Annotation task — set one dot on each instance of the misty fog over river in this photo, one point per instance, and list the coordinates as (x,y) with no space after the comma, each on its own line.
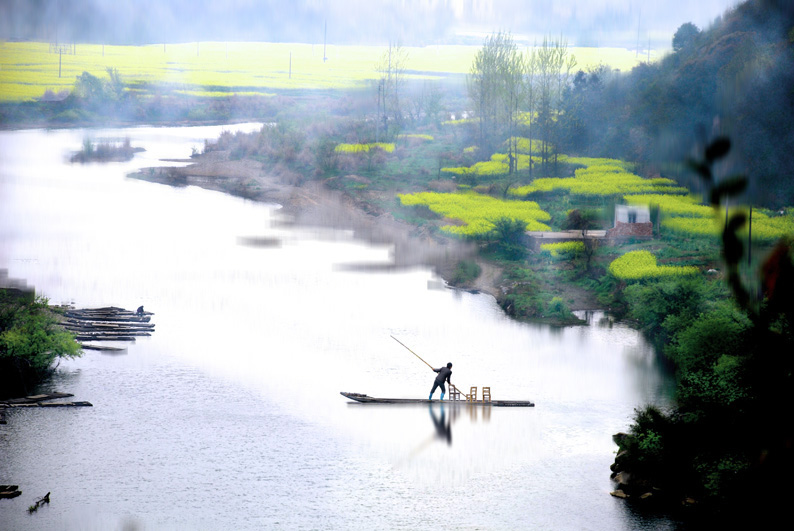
(229,415)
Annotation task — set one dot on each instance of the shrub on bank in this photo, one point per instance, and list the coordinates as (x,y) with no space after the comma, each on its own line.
(30,341)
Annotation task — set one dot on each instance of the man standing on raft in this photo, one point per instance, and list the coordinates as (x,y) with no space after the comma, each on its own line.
(443,375)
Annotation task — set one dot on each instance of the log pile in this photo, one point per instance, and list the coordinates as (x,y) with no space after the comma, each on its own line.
(107,324)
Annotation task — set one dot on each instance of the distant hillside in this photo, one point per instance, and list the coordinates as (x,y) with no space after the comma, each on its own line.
(735,78)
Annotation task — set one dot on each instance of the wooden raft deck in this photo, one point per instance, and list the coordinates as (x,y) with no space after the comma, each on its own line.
(365,399)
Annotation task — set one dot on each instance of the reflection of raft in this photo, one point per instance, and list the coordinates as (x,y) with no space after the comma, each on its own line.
(364,399)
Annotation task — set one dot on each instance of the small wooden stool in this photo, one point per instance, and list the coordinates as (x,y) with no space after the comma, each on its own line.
(454,393)
(486,394)
(472,396)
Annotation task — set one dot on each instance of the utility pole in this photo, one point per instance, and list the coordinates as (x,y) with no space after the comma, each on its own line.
(325,39)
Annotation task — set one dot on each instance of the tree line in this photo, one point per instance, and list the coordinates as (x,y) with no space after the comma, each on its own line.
(513,92)
(733,79)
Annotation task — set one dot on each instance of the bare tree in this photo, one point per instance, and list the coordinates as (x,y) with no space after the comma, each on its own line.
(530,97)
(391,68)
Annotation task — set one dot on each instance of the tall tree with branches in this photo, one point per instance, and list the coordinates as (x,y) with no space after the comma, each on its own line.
(495,89)
(391,84)
(554,66)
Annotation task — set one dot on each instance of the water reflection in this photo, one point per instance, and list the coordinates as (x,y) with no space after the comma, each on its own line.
(442,424)
(212,398)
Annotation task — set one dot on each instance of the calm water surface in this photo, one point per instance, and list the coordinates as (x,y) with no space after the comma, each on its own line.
(229,416)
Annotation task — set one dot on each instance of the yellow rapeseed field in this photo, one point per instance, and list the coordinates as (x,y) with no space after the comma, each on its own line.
(477,212)
(28,69)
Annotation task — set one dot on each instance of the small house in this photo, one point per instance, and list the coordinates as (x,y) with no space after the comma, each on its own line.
(631,221)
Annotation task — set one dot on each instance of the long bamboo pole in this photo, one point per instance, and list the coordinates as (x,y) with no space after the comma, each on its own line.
(423,361)
(412,352)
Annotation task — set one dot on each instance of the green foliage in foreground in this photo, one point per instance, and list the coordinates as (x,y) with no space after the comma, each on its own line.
(30,341)
(727,441)
(638,265)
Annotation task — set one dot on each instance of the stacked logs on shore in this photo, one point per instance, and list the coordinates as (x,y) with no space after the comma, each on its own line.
(107,324)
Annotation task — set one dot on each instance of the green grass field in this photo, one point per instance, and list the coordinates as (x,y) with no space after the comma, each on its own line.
(28,69)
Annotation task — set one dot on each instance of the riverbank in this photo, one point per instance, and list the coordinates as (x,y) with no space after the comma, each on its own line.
(313,203)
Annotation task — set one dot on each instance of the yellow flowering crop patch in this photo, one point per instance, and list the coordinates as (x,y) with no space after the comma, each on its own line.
(596,161)
(498,165)
(477,211)
(523,144)
(764,226)
(638,265)
(603,177)
(363,148)
(555,250)
(415,136)
(27,69)
(686,215)
(673,205)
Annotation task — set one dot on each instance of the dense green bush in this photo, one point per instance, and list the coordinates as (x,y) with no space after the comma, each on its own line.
(30,341)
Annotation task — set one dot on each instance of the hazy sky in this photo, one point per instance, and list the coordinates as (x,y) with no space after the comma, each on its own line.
(582,22)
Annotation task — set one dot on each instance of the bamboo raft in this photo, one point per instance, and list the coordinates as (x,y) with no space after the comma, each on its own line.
(365,399)
(107,324)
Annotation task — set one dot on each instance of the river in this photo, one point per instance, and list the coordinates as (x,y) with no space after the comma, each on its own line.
(229,415)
